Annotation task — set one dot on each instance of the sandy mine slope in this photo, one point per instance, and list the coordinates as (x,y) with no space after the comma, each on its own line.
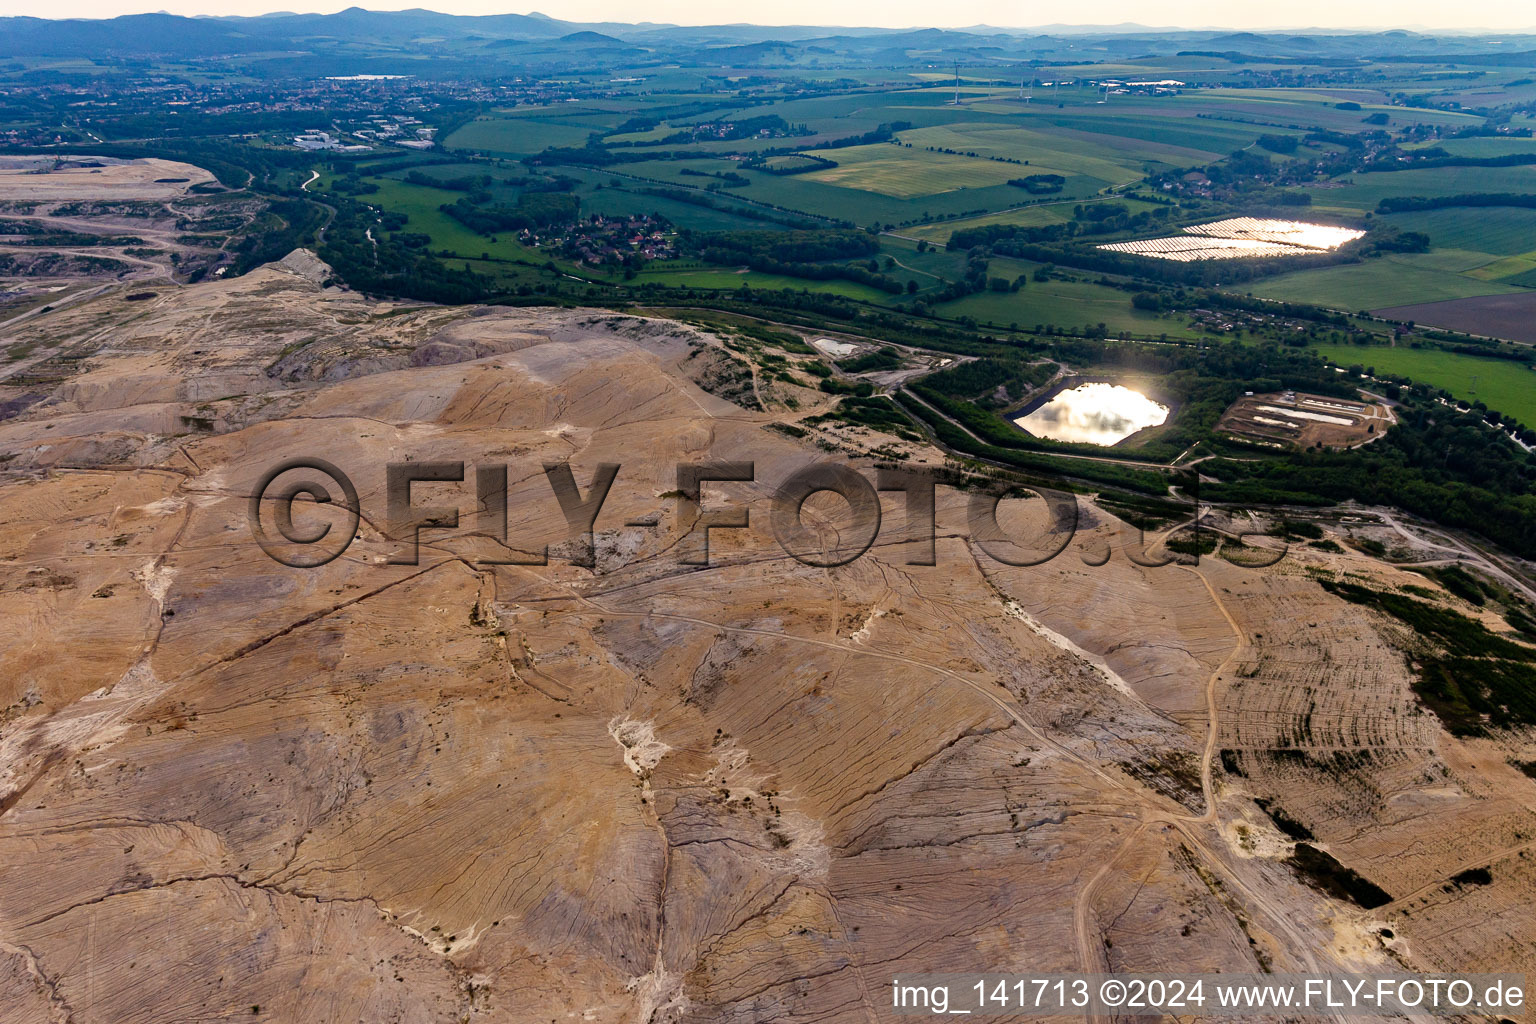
(647,790)
(35,179)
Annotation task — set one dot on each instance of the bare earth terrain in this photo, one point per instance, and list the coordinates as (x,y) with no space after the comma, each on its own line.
(1510,316)
(46,178)
(644,790)
(67,227)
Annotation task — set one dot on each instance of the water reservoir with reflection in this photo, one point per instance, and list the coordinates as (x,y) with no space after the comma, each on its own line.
(1094,414)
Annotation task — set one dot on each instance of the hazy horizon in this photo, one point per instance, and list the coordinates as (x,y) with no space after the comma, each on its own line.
(1413,15)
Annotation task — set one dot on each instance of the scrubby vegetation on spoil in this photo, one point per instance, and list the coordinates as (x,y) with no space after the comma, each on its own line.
(1324,871)
(1444,465)
(1471,678)
(884,358)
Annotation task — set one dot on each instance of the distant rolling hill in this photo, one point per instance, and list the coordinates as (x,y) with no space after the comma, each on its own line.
(356,31)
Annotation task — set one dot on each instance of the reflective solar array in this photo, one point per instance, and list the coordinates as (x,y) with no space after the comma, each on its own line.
(1238,238)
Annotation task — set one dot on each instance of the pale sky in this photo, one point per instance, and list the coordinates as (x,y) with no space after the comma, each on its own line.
(1497,15)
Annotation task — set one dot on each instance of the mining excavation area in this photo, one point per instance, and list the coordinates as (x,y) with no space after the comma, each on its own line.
(615,786)
(70,227)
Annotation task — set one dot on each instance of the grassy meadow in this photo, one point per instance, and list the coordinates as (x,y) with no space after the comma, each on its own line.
(1501,384)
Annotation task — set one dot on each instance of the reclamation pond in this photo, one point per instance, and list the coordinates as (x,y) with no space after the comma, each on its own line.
(1095,413)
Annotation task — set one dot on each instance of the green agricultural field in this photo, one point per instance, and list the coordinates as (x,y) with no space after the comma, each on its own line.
(1509,270)
(790,162)
(913,191)
(1361,192)
(845,114)
(966,80)
(727,279)
(1284,107)
(519,136)
(907,173)
(1055,211)
(1501,231)
(796,192)
(1029,216)
(926,268)
(498,170)
(1060,153)
(672,170)
(1062,303)
(628,200)
(507,275)
(1480,147)
(614,109)
(1506,386)
(420,205)
(1160,122)
(656,134)
(1395,280)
